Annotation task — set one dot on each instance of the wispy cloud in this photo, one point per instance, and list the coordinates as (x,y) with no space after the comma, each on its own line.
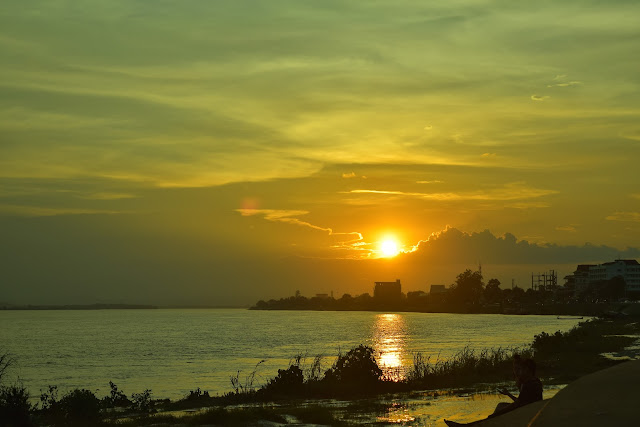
(539,97)
(512,191)
(349,175)
(565,84)
(109,196)
(529,205)
(290,217)
(624,216)
(35,211)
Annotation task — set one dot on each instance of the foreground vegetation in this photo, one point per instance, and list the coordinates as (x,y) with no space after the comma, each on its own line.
(561,357)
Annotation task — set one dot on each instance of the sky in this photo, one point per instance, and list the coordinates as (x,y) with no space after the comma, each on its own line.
(198,152)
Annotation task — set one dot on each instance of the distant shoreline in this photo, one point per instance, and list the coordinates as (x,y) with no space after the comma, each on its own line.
(80,307)
(109,307)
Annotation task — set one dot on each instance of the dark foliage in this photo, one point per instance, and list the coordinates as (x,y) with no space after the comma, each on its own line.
(358,366)
(5,363)
(116,398)
(197,394)
(78,407)
(289,380)
(142,402)
(229,417)
(14,406)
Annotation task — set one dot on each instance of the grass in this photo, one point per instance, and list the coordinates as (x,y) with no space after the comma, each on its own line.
(467,366)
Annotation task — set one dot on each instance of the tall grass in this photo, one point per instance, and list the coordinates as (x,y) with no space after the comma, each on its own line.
(464,367)
(248,385)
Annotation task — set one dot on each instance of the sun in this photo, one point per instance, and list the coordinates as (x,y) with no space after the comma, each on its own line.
(389,248)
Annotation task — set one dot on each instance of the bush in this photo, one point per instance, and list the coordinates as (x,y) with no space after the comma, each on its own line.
(14,406)
(49,398)
(116,398)
(358,366)
(78,407)
(197,394)
(289,381)
(142,402)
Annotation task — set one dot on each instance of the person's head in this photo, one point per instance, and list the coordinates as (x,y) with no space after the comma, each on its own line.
(517,362)
(528,367)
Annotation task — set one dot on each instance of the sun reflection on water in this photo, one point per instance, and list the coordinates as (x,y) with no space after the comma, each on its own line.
(389,335)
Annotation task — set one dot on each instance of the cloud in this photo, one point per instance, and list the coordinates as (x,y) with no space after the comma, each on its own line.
(528,205)
(488,155)
(349,175)
(454,246)
(109,196)
(435,181)
(565,84)
(35,211)
(539,97)
(624,217)
(512,191)
(569,228)
(290,217)
(633,135)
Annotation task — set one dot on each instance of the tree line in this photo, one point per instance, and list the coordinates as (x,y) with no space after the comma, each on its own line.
(469,293)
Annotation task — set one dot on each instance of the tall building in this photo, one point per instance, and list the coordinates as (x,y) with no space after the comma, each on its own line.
(388,290)
(587,274)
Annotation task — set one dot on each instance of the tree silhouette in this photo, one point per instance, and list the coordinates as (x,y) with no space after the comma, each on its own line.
(492,291)
(468,287)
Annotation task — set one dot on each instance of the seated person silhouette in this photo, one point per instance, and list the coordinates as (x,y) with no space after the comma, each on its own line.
(529,385)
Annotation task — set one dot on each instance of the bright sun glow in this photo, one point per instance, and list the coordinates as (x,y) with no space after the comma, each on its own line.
(389,248)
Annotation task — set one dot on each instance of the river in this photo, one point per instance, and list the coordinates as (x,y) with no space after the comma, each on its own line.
(172,351)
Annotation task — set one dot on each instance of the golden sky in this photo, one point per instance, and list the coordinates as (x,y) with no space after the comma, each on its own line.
(168,145)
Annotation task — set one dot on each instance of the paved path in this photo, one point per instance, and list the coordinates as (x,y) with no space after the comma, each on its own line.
(610,397)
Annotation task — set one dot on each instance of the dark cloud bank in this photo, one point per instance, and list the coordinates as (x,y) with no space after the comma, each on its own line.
(453,246)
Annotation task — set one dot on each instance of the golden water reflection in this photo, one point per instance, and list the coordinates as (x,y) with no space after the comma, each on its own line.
(389,342)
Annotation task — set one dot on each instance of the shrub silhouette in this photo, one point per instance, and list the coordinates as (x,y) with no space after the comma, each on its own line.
(78,407)
(81,407)
(197,394)
(116,398)
(358,366)
(288,380)
(14,406)
(142,402)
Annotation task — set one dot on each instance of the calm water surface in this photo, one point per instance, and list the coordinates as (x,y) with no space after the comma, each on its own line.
(174,351)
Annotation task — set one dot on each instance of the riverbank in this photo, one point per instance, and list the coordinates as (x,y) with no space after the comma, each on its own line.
(297,393)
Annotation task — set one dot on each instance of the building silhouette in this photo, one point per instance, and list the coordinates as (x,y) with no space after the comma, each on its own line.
(588,274)
(437,289)
(388,290)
